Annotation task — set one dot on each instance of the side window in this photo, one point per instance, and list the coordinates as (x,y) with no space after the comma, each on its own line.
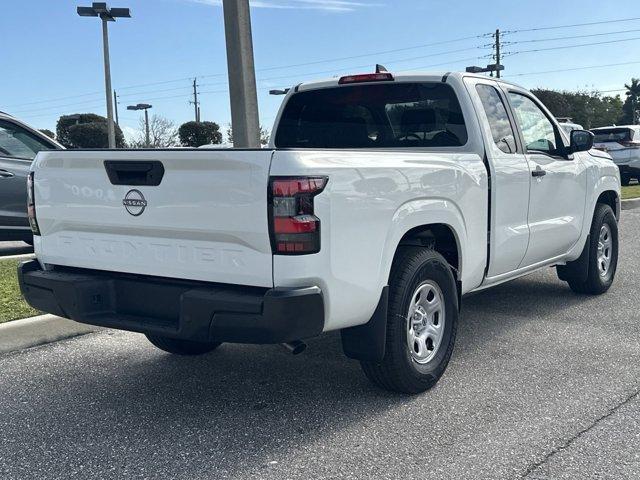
(496,112)
(17,142)
(537,130)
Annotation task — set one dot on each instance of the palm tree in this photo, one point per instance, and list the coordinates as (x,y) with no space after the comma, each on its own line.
(633,94)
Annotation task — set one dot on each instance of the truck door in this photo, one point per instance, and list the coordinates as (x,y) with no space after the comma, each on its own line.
(558,182)
(509,201)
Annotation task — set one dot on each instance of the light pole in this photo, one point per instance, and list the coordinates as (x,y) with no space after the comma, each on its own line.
(106,14)
(145,107)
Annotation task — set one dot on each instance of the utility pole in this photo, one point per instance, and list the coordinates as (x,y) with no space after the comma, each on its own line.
(106,14)
(107,82)
(196,104)
(115,104)
(242,75)
(498,59)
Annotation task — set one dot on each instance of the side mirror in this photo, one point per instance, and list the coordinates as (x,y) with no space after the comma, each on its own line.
(581,141)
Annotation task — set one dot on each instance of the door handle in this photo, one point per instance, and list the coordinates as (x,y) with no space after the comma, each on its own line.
(538,172)
(5,174)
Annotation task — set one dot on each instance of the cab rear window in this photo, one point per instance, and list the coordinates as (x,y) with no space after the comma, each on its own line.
(391,115)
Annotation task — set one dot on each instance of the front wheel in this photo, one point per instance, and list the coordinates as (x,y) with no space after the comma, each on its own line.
(421,323)
(603,253)
(182,347)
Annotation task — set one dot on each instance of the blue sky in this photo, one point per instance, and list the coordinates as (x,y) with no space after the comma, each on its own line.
(52,59)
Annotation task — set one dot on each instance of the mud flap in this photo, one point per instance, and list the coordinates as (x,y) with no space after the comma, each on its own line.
(367,342)
(578,270)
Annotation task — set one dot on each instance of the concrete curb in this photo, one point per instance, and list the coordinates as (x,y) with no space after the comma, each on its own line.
(23,256)
(630,204)
(34,331)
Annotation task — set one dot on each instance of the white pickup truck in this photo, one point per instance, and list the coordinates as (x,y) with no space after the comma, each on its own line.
(380,203)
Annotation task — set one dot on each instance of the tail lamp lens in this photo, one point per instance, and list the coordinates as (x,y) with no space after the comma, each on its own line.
(295,230)
(31,205)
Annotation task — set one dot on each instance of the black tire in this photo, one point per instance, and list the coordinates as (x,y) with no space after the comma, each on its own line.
(182,347)
(399,371)
(597,283)
(625,180)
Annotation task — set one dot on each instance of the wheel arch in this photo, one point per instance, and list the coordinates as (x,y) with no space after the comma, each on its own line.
(432,223)
(439,237)
(611,198)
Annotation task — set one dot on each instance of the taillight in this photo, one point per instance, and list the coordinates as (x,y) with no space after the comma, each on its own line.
(31,205)
(366,77)
(294,229)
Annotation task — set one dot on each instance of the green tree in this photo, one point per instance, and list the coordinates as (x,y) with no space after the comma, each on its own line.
(589,109)
(632,103)
(196,134)
(608,112)
(86,130)
(48,133)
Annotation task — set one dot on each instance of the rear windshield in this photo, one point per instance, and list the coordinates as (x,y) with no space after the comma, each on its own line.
(373,116)
(613,135)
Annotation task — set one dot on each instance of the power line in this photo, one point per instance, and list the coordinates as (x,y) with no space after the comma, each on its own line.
(142,94)
(339,59)
(54,99)
(571,37)
(280,67)
(383,52)
(571,46)
(573,69)
(422,67)
(507,32)
(93,107)
(289,76)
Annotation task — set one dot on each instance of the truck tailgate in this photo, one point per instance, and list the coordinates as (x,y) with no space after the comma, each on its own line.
(205,220)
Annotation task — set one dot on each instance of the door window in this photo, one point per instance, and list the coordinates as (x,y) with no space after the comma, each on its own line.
(496,112)
(537,130)
(17,142)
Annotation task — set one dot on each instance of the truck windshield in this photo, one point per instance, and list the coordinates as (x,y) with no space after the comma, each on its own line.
(390,115)
(613,135)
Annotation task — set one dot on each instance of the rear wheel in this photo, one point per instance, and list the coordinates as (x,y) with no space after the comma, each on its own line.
(603,253)
(421,323)
(182,347)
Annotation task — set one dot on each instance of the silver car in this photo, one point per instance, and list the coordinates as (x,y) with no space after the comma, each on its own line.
(19,145)
(623,144)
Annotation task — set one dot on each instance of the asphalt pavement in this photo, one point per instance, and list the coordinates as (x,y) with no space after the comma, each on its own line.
(542,384)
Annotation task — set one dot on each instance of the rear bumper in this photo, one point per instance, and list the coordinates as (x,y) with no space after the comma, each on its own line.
(173,308)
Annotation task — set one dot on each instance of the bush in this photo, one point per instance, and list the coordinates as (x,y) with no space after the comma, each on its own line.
(196,134)
(86,130)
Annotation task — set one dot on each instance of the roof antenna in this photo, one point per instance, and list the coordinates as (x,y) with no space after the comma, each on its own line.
(381,68)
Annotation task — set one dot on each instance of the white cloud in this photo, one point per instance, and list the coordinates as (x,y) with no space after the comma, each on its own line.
(326,5)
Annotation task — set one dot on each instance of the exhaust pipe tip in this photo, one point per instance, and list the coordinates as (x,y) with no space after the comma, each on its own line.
(296,347)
